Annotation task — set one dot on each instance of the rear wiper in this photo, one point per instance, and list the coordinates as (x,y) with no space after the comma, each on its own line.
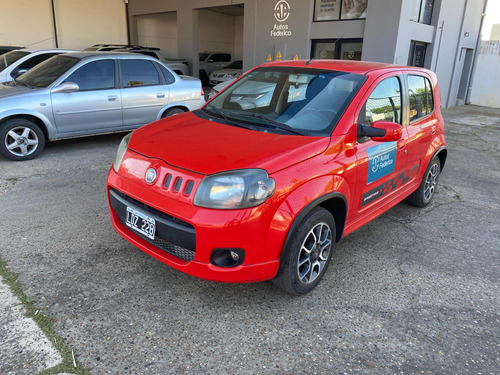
(221,114)
(271,123)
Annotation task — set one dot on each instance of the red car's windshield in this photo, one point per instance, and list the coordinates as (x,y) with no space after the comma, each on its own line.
(298,100)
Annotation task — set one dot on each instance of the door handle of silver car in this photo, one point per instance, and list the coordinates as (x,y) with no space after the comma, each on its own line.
(112,98)
(160,95)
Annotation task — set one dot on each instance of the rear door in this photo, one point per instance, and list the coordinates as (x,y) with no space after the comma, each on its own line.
(143,90)
(422,120)
(381,166)
(96,107)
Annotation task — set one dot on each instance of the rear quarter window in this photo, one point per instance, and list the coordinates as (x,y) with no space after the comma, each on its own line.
(420,96)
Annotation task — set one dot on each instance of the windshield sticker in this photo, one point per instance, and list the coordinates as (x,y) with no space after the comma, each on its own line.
(389,186)
(381,160)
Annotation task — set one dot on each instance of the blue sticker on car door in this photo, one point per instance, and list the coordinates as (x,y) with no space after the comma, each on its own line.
(381,160)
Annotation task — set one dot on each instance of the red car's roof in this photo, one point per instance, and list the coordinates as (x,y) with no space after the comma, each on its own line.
(358,67)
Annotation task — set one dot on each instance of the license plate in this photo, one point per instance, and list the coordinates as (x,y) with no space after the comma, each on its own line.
(141,223)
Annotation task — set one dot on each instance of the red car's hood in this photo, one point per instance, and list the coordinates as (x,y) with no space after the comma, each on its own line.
(190,142)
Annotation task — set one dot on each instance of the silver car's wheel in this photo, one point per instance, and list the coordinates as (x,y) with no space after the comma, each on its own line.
(20,139)
(306,255)
(314,253)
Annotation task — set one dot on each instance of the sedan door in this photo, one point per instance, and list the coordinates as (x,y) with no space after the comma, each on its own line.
(144,92)
(95,107)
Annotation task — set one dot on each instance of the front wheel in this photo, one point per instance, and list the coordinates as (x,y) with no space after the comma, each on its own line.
(425,192)
(305,260)
(21,139)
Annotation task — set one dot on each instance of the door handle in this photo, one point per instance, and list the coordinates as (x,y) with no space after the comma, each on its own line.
(401,144)
(112,98)
(160,95)
(433,129)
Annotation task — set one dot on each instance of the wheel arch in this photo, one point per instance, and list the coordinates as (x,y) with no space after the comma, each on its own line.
(30,117)
(441,153)
(182,106)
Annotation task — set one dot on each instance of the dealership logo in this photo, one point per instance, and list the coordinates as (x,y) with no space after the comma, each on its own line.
(281,11)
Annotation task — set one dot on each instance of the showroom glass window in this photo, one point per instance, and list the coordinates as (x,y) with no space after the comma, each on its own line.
(139,73)
(421,98)
(416,56)
(422,11)
(384,103)
(96,75)
(344,49)
(334,10)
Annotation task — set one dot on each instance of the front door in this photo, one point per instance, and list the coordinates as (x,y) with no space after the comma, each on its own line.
(382,166)
(95,107)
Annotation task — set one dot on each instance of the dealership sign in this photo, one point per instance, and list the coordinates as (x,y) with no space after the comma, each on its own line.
(281,14)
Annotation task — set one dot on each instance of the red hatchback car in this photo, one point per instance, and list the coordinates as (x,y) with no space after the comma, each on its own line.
(262,181)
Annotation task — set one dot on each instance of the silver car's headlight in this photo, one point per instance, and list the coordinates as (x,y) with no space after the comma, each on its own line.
(235,189)
(121,151)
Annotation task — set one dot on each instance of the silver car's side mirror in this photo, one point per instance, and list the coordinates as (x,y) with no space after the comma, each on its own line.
(66,87)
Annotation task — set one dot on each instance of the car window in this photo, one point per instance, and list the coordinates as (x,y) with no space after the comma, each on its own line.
(306,99)
(220,57)
(47,72)
(169,78)
(139,73)
(9,58)
(384,103)
(35,60)
(95,75)
(420,95)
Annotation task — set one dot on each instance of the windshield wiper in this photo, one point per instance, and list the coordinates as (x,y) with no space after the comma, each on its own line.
(271,123)
(22,83)
(221,114)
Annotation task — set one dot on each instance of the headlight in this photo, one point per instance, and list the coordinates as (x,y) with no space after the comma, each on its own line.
(121,152)
(235,189)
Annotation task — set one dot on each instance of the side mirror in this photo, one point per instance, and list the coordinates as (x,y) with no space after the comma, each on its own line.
(66,87)
(381,131)
(17,73)
(210,60)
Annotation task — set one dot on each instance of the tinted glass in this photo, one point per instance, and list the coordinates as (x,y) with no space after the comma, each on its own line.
(9,58)
(96,75)
(307,100)
(169,78)
(418,99)
(220,57)
(384,103)
(139,73)
(35,60)
(47,72)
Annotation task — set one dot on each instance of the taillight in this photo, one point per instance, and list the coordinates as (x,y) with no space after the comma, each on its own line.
(202,93)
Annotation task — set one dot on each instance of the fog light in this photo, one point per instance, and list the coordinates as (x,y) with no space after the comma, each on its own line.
(227,257)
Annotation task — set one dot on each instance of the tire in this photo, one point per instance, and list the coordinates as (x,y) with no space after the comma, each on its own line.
(171,112)
(425,192)
(303,264)
(21,139)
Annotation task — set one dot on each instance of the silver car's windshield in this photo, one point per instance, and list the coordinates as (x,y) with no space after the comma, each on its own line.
(11,57)
(299,100)
(47,72)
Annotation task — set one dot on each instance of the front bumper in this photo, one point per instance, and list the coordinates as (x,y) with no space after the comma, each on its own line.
(259,231)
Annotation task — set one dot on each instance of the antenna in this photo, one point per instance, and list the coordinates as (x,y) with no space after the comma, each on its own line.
(335,41)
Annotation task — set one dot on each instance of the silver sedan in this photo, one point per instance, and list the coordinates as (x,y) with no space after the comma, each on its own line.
(89,93)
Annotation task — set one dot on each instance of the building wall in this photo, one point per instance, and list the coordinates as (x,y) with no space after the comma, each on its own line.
(83,23)
(216,32)
(159,30)
(486,88)
(27,23)
(79,23)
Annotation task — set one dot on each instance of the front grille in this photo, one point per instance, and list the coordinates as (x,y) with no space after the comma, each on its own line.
(176,251)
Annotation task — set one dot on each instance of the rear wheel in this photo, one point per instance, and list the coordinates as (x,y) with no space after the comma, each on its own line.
(171,112)
(305,260)
(424,194)
(21,139)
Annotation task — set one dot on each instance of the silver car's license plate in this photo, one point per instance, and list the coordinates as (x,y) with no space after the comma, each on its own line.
(141,223)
